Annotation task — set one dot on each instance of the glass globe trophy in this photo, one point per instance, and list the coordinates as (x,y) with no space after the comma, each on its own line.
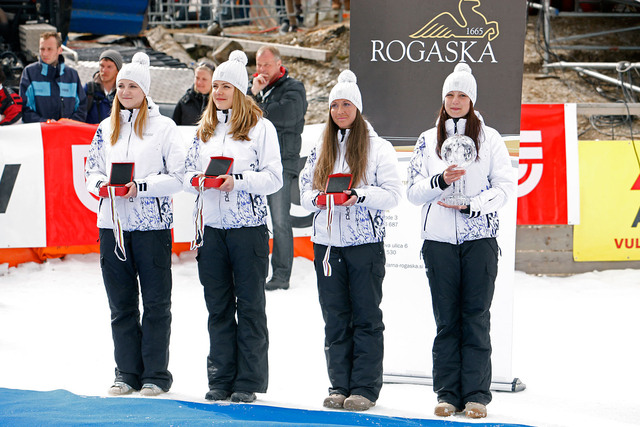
(459,150)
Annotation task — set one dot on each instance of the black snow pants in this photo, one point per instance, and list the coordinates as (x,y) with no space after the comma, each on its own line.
(350,301)
(462,281)
(141,348)
(233,266)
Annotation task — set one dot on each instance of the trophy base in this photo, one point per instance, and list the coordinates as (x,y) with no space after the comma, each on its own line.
(457,200)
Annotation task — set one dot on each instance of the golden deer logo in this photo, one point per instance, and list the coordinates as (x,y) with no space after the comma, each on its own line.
(469,24)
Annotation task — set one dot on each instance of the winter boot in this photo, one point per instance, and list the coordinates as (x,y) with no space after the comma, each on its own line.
(243,397)
(120,388)
(355,402)
(217,394)
(444,409)
(150,390)
(475,410)
(334,401)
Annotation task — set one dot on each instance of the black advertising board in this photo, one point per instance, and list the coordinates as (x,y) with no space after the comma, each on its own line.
(402,51)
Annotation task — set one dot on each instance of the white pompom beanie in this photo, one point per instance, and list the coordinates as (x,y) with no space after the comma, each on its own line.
(234,71)
(461,80)
(137,71)
(347,89)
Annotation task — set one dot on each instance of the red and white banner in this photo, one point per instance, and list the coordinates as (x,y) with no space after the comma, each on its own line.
(22,198)
(71,209)
(548,183)
(44,202)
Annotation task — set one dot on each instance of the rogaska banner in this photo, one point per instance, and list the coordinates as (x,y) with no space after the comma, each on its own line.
(401,52)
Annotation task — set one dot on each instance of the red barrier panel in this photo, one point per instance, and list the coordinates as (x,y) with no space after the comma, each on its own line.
(542,186)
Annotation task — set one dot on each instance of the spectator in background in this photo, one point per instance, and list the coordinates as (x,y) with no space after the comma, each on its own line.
(338,4)
(234,12)
(10,104)
(191,106)
(292,18)
(49,88)
(284,102)
(101,91)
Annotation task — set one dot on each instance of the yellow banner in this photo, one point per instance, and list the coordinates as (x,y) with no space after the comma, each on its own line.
(609,202)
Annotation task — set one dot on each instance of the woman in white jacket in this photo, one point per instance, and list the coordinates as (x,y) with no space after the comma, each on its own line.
(348,245)
(460,249)
(135,229)
(231,232)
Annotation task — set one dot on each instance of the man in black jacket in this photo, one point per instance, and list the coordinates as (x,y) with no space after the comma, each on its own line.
(284,102)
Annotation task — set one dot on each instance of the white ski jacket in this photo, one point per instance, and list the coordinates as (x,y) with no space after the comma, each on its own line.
(256,170)
(363,222)
(158,160)
(490,180)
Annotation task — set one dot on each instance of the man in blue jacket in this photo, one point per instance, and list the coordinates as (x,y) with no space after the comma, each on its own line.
(49,89)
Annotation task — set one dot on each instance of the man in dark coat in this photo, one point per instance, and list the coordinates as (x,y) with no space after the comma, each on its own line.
(284,102)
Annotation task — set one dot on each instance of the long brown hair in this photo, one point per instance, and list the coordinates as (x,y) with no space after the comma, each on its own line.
(357,154)
(138,125)
(245,113)
(472,128)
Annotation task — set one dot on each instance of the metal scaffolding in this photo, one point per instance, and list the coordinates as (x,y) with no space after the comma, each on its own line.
(226,13)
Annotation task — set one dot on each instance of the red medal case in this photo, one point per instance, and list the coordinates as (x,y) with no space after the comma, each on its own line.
(121,175)
(217,166)
(336,184)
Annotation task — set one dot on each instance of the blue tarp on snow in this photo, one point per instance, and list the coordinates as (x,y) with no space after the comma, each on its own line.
(60,407)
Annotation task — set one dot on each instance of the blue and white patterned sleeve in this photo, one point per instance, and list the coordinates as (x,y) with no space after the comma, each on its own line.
(95,170)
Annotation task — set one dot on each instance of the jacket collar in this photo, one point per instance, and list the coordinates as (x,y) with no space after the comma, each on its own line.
(98,80)
(279,80)
(130,115)
(224,115)
(55,69)
(194,94)
(343,134)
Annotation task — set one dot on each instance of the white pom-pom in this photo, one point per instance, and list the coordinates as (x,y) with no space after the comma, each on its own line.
(140,58)
(463,67)
(239,56)
(347,76)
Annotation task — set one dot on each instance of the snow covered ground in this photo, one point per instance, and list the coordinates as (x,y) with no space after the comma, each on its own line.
(575,342)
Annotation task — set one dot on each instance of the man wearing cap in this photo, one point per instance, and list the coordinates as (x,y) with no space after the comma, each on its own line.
(102,89)
(49,88)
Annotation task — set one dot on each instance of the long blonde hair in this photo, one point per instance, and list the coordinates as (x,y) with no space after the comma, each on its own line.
(139,124)
(357,154)
(244,116)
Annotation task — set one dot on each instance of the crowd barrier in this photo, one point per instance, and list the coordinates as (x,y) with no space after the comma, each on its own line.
(46,211)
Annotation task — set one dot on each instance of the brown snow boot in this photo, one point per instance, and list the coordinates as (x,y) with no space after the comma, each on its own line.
(475,410)
(334,401)
(444,409)
(355,402)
